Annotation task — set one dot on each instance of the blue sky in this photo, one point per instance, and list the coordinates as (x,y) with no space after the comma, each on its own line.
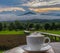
(12,2)
(9,2)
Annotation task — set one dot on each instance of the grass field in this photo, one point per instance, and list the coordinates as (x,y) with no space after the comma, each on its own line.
(1,51)
(22,32)
(52,31)
(11,32)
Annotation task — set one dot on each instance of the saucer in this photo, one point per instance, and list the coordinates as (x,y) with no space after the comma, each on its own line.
(27,48)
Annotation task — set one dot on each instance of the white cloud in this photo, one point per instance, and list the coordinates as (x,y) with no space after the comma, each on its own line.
(11,9)
(38,3)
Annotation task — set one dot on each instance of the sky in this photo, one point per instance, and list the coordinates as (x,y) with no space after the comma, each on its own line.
(37,3)
(15,8)
(6,4)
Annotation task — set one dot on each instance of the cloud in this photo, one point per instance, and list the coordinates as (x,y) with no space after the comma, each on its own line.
(45,9)
(38,3)
(29,3)
(11,9)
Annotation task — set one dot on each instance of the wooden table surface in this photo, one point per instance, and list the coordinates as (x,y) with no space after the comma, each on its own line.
(55,49)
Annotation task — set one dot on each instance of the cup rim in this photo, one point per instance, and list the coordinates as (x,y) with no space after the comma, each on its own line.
(34,36)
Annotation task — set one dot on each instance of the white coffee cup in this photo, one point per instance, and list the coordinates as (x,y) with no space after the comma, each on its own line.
(36,41)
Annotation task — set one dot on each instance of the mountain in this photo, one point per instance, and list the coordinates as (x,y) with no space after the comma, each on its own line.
(41,20)
(28,15)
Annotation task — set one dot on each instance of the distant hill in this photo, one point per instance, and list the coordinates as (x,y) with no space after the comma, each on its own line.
(30,16)
(41,20)
(30,13)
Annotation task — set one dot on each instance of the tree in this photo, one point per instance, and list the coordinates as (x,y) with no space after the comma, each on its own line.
(47,26)
(37,26)
(1,27)
(31,25)
(4,26)
(25,26)
(58,26)
(18,25)
(53,26)
(11,26)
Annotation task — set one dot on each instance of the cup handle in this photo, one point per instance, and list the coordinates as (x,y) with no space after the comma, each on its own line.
(46,38)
